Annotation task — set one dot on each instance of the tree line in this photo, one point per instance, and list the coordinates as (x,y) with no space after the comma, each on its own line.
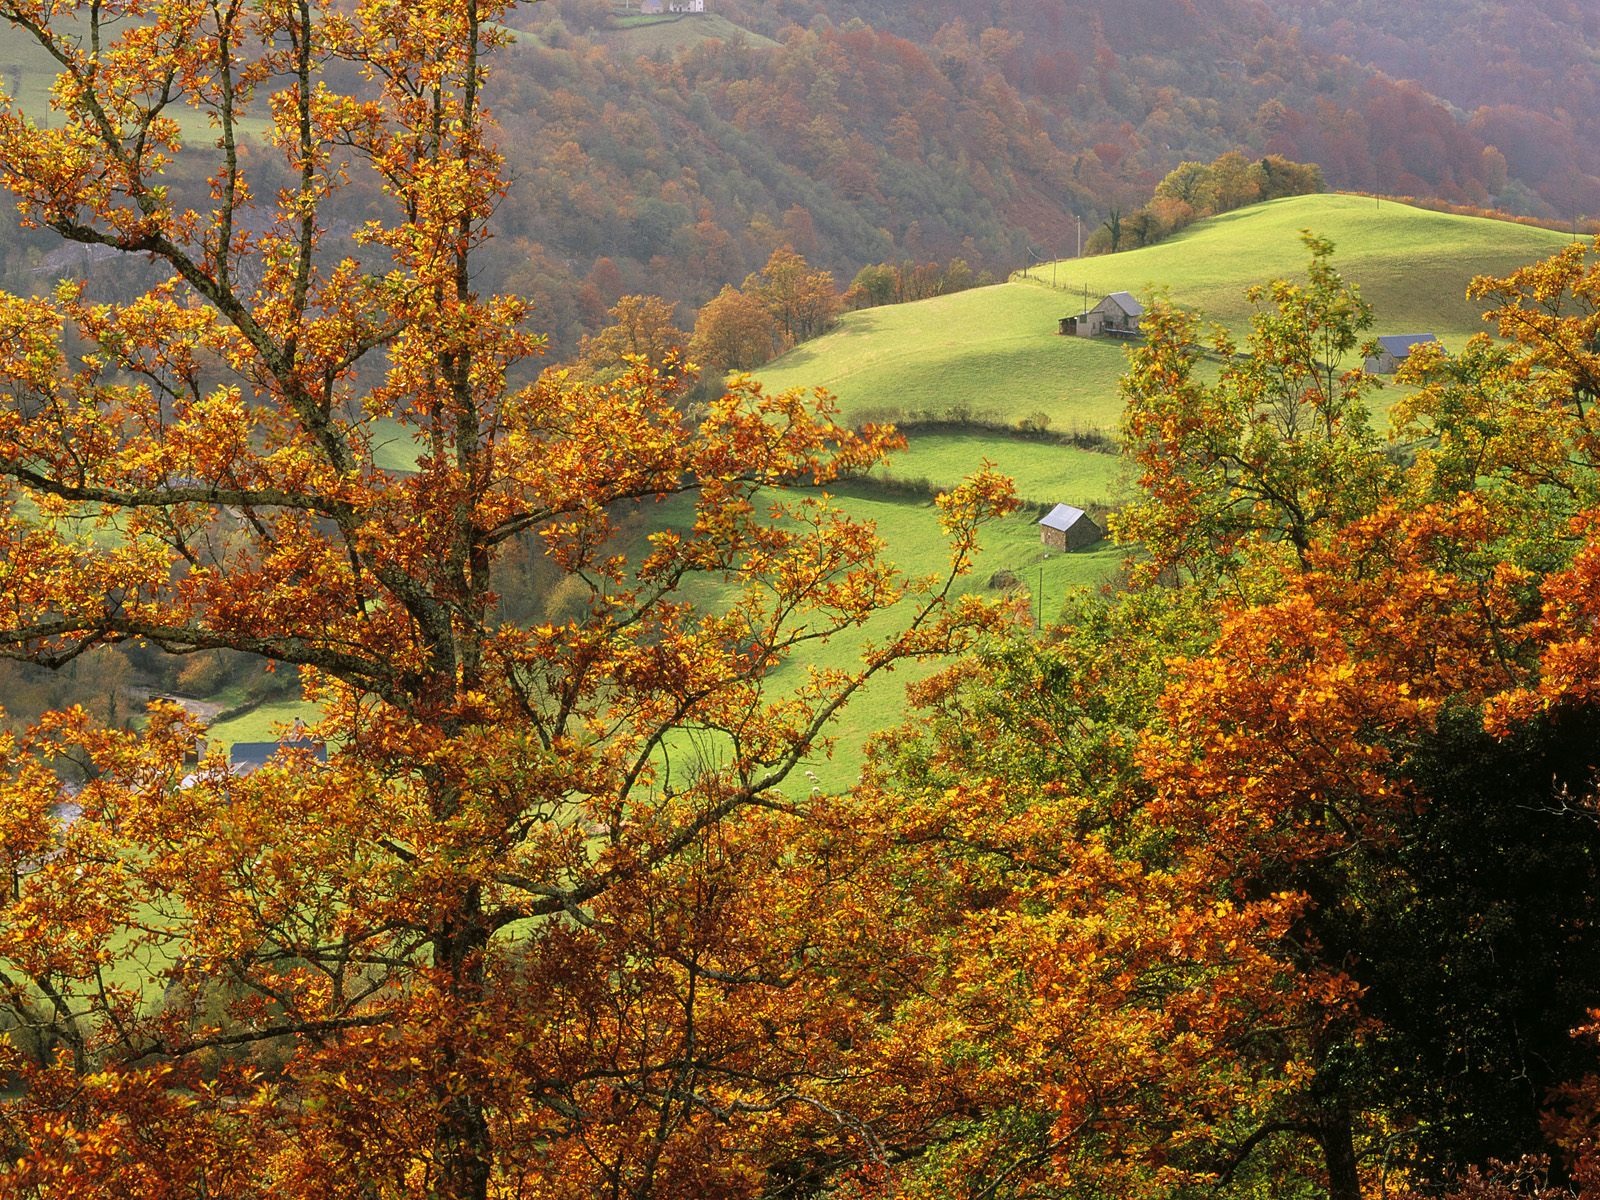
(1193,190)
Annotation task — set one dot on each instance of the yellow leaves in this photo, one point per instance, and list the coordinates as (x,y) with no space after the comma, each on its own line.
(524,855)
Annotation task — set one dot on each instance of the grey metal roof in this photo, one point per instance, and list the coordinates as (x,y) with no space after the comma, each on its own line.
(245,757)
(1126,302)
(1400,344)
(1062,517)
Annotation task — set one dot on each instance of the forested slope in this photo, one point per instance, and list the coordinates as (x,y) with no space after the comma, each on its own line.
(673,157)
(1524,74)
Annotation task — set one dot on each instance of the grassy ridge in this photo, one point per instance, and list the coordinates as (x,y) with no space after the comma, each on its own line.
(996,349)
(992,350)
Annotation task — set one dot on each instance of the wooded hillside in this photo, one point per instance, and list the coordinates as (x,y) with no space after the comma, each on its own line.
(860,133)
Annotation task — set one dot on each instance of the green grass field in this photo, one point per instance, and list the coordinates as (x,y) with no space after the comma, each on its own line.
(910,530)
(1044,473)
(265,723)
(991,351)
(28,73)
(996,351)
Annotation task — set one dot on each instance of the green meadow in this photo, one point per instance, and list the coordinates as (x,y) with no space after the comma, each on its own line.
(995,351)
(990,352)
(28,74)
(1041,580)
(1037,468)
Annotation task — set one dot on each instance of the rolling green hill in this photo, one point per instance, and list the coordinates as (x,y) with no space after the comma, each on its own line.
(996,351)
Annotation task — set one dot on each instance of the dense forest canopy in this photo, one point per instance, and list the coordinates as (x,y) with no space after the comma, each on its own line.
(1522,75)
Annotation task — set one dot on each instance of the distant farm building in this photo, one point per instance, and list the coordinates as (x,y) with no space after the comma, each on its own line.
(1115,316)
(247,757)
(1394,350)
(1067,528)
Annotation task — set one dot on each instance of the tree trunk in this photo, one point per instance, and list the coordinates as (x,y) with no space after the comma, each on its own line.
(1339,1152)
(463,1147)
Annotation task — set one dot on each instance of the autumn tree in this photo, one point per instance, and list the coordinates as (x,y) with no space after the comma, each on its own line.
(524,930)
(1113,227)
(1297,834)
(1099,1022)
(642,328)
(1376,727)
(734,332)
(1280,448)
(802,300)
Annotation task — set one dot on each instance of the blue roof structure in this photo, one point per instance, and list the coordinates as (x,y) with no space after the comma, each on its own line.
(244,757)
(1400,344)
(1062,517)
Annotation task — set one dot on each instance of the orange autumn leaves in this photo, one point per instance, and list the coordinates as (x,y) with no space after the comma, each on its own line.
(527,930)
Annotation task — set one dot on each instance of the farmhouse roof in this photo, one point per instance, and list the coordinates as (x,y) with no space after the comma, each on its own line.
(1126,302)
(244,757)
(1400,344)
(1062,517)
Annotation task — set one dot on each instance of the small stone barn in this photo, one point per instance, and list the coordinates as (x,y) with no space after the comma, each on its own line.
(1394,349)
(1117,316)
(1068,528)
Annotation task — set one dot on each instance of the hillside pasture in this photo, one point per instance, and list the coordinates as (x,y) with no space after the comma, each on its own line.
(28,76)
(989,352)
(995,351)
(1043,580)
(1043,472)
(1039,580)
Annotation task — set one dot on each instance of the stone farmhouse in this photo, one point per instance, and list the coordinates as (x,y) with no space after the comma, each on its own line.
(1115,316)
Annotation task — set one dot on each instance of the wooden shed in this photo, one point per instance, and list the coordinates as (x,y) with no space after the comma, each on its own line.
(1067,528)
